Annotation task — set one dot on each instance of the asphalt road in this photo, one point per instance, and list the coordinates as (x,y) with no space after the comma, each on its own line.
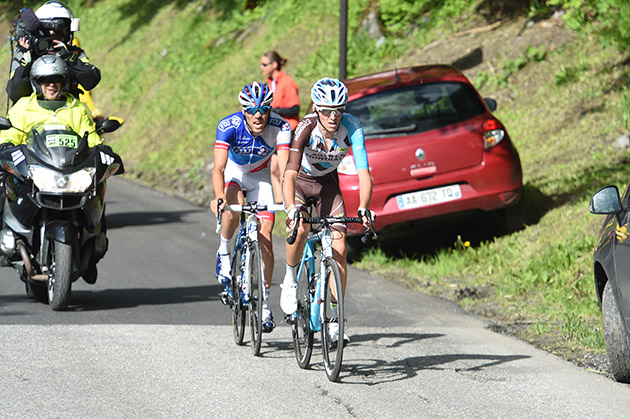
(152,340)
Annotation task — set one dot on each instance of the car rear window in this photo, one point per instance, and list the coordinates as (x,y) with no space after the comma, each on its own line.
(418,108)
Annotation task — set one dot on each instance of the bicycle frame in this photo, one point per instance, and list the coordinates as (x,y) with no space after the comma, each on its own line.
(246,289)
(247,235)
(308,257)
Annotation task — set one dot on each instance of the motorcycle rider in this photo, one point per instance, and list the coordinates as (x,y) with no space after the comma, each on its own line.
(57,21)
(49,103)
(52,104)
(244,144)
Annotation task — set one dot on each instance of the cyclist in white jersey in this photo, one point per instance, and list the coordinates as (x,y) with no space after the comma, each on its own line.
(322,139)
(244,144)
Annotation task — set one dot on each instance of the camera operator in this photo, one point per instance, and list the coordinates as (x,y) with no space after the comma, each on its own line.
(50,30)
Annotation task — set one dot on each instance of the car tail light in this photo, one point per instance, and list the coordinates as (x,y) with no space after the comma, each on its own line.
(493,133)
(347,167)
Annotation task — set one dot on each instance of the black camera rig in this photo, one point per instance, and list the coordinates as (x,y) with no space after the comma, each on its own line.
(39,42)
(28,27)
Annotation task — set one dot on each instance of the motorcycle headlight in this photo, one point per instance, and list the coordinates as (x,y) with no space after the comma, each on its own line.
(48,180)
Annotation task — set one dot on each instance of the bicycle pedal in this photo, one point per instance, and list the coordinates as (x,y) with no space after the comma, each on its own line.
(289,319)
(225,298)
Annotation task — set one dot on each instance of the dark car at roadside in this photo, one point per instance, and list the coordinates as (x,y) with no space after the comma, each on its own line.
(611,269)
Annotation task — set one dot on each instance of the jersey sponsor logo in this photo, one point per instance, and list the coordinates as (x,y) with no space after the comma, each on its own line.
(302,126)
(246,147)
(280,123)
(226,124)
(318,156)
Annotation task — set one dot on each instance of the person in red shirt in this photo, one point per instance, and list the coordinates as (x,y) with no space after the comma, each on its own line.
(286,103)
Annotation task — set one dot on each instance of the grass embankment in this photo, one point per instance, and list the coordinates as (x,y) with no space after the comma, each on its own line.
(173,70)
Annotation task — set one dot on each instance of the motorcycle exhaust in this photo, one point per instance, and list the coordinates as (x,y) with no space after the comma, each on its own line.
(26,258)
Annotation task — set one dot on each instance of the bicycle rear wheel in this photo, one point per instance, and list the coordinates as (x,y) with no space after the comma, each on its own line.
(301,325)
(238,311)
(332,351)
(256,295)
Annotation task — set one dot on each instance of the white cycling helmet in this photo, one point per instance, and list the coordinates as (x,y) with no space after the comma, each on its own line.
(54,16)
(329,93)
(49,65)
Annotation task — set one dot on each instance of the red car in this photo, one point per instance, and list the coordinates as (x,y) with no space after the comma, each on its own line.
(434,149)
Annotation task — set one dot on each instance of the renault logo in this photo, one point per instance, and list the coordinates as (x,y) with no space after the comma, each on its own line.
(420,154)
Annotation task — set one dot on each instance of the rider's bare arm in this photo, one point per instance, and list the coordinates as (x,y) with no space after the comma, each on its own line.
(218,180)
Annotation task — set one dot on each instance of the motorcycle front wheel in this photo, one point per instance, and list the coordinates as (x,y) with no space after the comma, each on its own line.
(60,282)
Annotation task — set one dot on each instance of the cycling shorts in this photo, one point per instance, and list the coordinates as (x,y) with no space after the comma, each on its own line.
(256,184)
(324,190)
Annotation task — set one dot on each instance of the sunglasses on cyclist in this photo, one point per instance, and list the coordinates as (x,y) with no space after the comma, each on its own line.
(327,112)
(253,109)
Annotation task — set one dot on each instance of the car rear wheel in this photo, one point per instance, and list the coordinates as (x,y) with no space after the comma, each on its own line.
(616,337)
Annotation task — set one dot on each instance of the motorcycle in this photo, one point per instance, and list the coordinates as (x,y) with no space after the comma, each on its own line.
(53,224)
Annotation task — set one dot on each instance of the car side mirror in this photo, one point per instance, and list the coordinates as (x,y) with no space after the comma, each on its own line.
(491,103)
(606,201)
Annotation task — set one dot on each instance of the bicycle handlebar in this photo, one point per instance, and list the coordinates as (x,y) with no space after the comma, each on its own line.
(254,207)
(250,207)
(365,239)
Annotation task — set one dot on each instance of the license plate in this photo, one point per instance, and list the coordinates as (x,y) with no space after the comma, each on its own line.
(429,197)
(62,140)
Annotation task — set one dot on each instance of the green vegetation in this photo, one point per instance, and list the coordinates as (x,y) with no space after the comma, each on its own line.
(173,69)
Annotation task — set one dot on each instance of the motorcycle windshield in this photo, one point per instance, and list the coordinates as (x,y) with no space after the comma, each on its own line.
(57,145)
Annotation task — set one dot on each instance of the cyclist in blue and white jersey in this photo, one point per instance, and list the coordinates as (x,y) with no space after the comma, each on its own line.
(244,144)
(322,139)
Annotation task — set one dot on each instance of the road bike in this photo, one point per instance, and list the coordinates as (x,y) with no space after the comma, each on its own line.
(319,295)
(246,291)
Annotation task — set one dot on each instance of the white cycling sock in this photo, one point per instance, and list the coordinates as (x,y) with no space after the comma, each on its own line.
(289,276)
(267,292)
(224,246)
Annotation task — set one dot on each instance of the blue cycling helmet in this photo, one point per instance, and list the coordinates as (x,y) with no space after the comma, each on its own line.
(329,92)
(255,94)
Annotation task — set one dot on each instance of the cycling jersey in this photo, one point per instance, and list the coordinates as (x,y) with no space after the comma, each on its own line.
(251,153)
(308,149)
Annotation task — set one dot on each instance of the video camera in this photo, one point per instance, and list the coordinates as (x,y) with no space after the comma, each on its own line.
(31,29)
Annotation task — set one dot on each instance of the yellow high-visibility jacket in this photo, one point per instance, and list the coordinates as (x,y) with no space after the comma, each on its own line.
(27,113)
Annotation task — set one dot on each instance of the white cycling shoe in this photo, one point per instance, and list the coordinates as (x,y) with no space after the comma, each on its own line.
(333,332)
(223,270)
(267,320)
(288,298)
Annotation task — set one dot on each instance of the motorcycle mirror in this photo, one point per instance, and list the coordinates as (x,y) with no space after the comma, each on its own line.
(108,125)
(4,123)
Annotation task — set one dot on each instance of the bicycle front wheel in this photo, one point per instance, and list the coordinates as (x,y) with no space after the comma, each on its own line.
(256,296)
(333,316)
(301,326)
(238,311)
